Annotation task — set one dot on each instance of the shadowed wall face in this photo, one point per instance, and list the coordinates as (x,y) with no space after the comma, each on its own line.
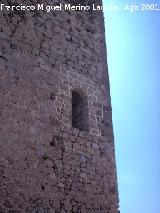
(56,151)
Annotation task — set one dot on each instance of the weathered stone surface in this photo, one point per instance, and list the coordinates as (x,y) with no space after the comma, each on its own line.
(46,165)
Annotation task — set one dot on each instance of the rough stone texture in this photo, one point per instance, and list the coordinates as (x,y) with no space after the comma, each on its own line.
(46,166)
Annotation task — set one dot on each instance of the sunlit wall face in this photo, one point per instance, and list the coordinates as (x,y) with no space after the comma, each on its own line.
(133,46)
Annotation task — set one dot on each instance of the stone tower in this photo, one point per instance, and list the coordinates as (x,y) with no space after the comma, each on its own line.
(56,137)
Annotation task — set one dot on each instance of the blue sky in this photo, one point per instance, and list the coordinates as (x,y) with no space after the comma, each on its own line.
(133,46)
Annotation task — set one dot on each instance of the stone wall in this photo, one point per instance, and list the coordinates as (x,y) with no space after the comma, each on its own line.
(70,171)
(45,164)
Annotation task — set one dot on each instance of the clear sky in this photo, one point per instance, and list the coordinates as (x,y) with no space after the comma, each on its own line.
(133,46)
